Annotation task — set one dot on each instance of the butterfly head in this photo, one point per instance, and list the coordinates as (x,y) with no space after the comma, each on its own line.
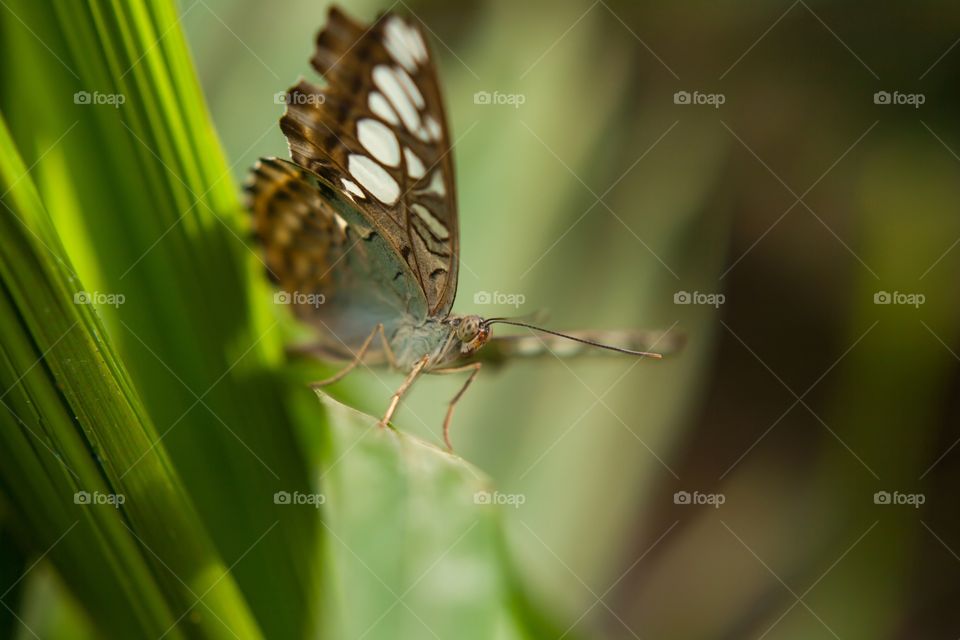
(472,331)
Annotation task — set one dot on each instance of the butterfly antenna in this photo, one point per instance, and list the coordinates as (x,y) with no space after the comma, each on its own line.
(599,345)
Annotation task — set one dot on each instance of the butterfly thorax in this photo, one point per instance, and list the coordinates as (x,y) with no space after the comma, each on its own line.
(444,341)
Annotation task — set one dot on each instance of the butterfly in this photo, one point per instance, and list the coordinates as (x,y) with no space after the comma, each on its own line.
(359,229)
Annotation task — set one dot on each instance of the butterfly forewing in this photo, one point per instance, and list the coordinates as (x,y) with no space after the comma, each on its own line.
(377,132)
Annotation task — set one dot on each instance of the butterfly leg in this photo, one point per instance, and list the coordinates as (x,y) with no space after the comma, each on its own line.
(395,400)
(357,359)
(475,366)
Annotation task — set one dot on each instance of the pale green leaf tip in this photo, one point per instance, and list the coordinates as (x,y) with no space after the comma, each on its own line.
(343,414)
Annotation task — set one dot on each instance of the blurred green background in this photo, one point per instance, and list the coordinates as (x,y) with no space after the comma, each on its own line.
(777,181)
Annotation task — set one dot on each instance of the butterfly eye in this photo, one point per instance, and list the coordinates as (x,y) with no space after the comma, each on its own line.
(468,328)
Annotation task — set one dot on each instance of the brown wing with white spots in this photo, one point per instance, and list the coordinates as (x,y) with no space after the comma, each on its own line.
(377,131)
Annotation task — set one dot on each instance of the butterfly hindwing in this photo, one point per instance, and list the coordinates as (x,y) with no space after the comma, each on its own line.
(332,267)
(377,133)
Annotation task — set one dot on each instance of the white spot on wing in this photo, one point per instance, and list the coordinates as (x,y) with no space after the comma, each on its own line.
(386,80)
(381,108)
(399,43)
(436,184)
(415,168)
(566,348)
(374,178)
(340,222)
(436,227)
(410,87)
(377,138)
(433,128)
(352,187)
(417,44)
(528,347)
